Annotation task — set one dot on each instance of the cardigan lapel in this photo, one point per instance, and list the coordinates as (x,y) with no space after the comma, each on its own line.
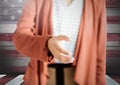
(86,55)
(90,65)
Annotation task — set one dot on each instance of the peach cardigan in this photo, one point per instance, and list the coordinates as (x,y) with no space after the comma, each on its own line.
(35,27)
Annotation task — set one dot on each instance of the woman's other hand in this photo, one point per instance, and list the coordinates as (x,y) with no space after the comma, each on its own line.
(58,52)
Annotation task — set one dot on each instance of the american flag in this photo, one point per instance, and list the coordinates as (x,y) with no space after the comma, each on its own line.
(13,62)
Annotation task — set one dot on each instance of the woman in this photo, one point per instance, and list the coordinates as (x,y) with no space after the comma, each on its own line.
(36,37)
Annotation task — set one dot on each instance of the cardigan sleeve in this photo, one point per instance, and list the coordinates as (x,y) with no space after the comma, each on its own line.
(101,52)
(25,40)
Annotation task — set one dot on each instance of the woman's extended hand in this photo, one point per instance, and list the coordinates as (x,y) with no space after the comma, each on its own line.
(55,48)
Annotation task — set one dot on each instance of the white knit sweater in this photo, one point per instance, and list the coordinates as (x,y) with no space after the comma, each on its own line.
(66,21)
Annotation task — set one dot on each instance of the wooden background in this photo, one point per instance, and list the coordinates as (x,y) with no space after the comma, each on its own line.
(13,62)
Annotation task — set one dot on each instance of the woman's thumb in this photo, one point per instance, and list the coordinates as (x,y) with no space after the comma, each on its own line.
(63,37)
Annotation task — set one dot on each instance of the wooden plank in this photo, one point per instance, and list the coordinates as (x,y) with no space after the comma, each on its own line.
(113,3)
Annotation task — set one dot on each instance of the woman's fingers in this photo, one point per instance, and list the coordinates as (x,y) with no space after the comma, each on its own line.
(65,59)
(59,53)
(63,37)
(62,50)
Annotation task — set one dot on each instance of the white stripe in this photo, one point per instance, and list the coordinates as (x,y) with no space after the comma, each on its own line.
(113,48)
(10,43)
(16,81)
(13,48)
(10,28)
(6,43)
(7,48)
(113,43)
(110,81)
(7,28)
(113,28)
(113,11)
(2,75)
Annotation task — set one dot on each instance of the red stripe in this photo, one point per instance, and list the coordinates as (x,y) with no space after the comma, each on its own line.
(6,37)
(110,53)
(113,3)
(6,79)
(113,22)
(113,37)
(8,51)
(113,53)
(110,37)
(116,78)
(111,18)
(13,70)
(12,55)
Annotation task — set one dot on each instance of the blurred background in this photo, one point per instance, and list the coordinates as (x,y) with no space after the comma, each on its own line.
(13,64)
